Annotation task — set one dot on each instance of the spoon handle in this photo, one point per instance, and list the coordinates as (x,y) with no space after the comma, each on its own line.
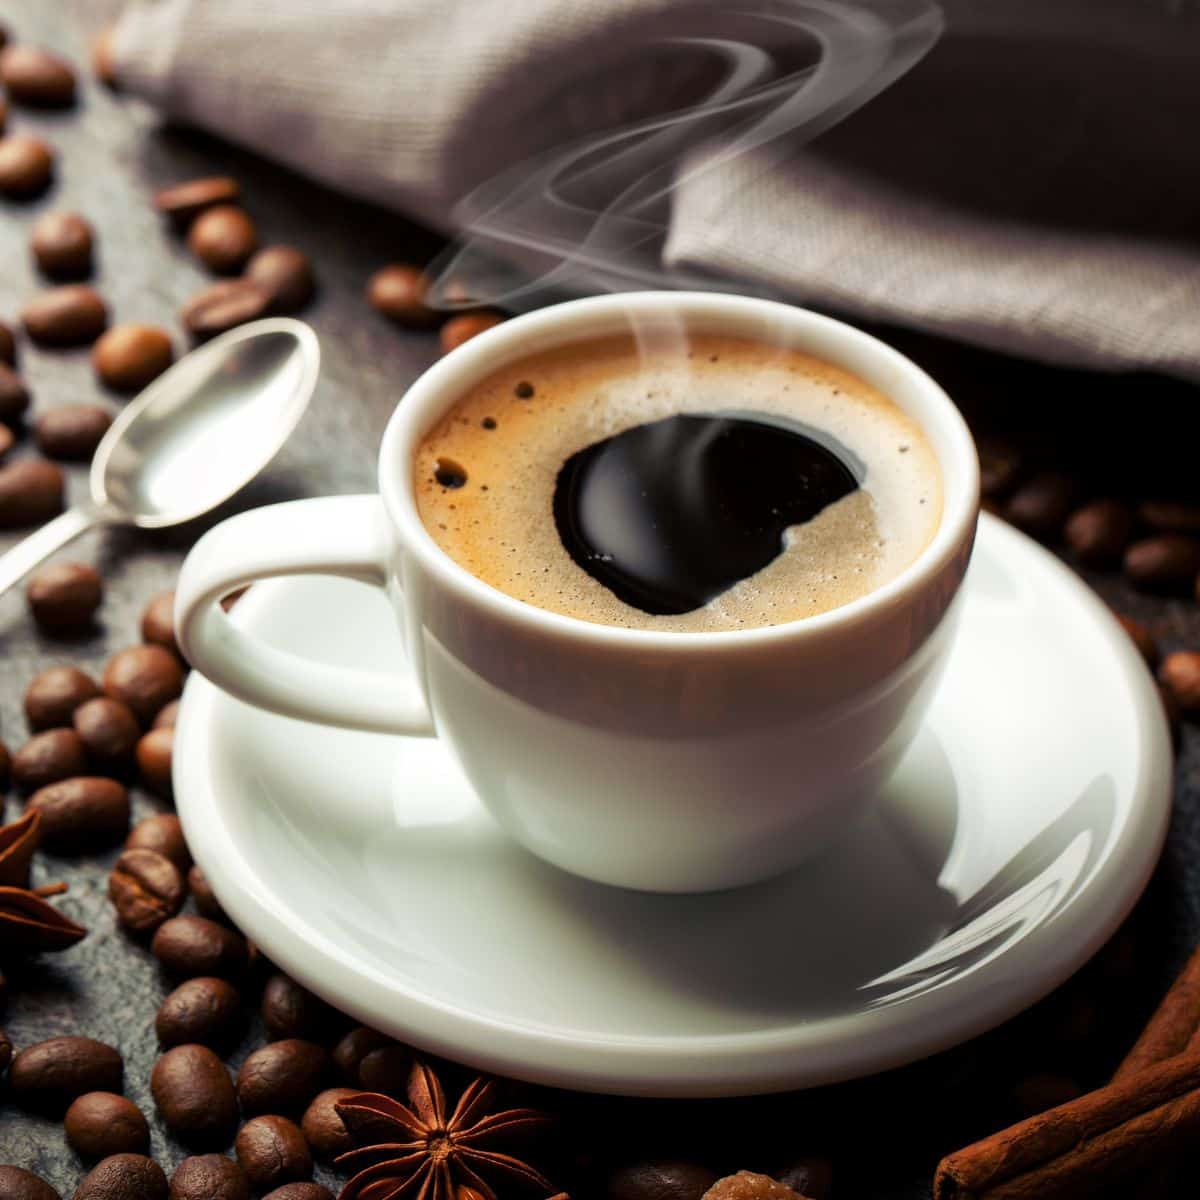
(37,547)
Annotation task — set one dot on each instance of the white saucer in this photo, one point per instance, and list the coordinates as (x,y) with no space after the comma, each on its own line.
(1013,840)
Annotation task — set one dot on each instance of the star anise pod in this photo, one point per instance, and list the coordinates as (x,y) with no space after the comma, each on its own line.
(418,1152)
(27,923)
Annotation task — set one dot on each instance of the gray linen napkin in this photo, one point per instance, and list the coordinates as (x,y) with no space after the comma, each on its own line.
(1020,174)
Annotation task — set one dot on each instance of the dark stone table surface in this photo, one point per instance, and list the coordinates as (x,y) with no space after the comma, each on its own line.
(884,1134)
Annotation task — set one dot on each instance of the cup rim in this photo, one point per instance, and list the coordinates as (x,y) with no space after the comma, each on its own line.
(436,389)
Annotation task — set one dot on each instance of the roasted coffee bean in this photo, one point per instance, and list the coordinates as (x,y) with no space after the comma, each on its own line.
(31,492)
(224,305)
(14,395)
(124,1177)
(209,1177)
(162,833)
(206,1011)
(272,1152)
(183,202)
(207,903)
(323,1127)
(191,946)
(48,757)
(195,1096)
(108,730)
(300,1191)
(64,597)
(286,273)
(1143,639)
(8,440)
(18,1184)
(1180,676)
(146,889)
(26,165)
(8,345)
(37,77)
(353,1048)
(465,326)
(1167,562)
(71,432)
(62,245)
(54,694)
(102,1123)
(223,238)
(158,621)
(810,1176)
(1099,532)
(398,291)
(385,1069)
(71,315)
(83,813)
(1041,506)
(127,357)
(166,716)
(154,752)
(1170,516)
(145,678)
(664,1179)
(282,1077)
(48,1075)
(290,1011)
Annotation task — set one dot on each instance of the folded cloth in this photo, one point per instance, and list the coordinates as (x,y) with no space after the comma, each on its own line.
(1018,175)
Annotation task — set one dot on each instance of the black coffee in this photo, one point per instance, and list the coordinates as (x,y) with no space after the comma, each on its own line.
(670,514)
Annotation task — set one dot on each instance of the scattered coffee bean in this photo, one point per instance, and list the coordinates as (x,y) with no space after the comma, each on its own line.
(167,715)
(71,432)
(48,757)
(127,357)
(300,1191)
(154,752)
(746,1185)
(1143,639)
(183,202)
(62,245)
(353,1048)
(398,291)
(99,1124)
(103,57)
(83,813)
(810,1176)
(1167,562)
(1180,675)
(14,395)
(145,678)
(1099,532)
(209,1177)
(7,441)
(64,597)
(282,1077)
(1040,1092)
(158,621)
(272,1152)
(191,946)
(1041,506)
(385,1069)
(108,730)
(162,833)
(18,1184)
(146,889)
(1170,516)
(465,326)
(206,1011)
(8,345)
(71,315)
(323,1127)
(54,694)
(37,77)
(195,1096)
(223,238)
(207,903)
(26,165)
(290,1011)
(31,492)
(124,1177)
(224,305)
(660,1180)
(48,1075)
(286,274)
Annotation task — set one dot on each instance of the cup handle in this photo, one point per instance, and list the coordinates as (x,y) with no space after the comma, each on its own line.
(339,535)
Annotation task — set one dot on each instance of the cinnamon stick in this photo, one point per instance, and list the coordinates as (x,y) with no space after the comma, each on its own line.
(1174,1027)
(1105,1138)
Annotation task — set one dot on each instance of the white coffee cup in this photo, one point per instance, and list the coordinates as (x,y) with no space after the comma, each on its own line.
(671,762)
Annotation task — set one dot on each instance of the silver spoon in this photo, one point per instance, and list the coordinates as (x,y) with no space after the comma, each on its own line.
(200,432)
